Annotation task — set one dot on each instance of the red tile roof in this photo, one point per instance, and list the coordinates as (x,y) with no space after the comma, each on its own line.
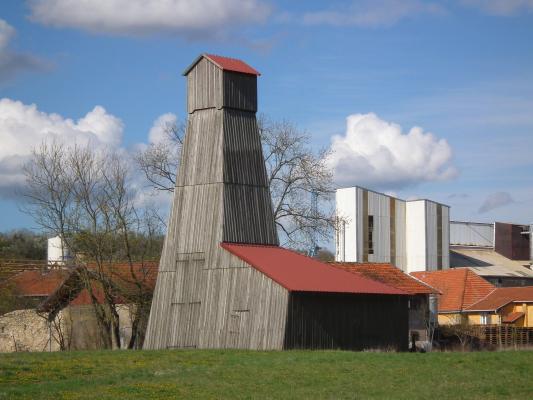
(389,275)
(512,317)
(36,283)
(502,296)
(459,287)
(299,273)
(226,64)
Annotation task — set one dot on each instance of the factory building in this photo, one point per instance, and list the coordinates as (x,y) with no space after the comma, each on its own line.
(374,227)
(499,252)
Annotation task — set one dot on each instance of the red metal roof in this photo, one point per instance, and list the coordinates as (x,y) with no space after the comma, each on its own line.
(299,273)
(459,287)
(387,274)
(226,64)
(503,296)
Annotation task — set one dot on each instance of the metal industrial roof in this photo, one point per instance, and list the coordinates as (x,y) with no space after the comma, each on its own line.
(460,287)
(389,275)
(299,273)
(487,262)
(226,64)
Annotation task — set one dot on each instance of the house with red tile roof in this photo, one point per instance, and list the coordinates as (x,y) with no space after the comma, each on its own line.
(421,294)
(459,289)
(506,305)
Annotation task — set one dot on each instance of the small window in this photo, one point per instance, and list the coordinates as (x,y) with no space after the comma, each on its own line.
(370,234)
(485,319)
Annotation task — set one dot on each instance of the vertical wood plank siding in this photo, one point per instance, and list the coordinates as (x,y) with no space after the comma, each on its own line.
(204,296)
(346,322)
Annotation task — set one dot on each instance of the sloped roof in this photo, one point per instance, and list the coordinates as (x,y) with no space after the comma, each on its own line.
(487,262)
(35,283)
(499,297)
(299,273)
(389,275)
(512,317)
(459,287)
(226,64)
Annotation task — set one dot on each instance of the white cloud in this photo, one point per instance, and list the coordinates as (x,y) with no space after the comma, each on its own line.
(12,62)
(159,131)
(495,200)
(376,153)
(375,13)
(501,7)
(190,18)
(22,127)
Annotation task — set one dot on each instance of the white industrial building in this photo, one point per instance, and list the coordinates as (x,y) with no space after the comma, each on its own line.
(413,235)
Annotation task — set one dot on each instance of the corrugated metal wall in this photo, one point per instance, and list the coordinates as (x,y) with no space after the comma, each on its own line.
(379,209)
(471,234)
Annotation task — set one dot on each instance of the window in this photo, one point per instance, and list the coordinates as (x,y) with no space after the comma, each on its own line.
(370,234)
(485,319)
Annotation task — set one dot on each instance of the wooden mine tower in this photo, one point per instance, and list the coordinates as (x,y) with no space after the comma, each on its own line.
(221,195)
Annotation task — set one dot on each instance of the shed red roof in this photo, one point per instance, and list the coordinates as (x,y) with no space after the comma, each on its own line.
(299,273)
(389,275)
(499,297)
(459,287)
(226,64)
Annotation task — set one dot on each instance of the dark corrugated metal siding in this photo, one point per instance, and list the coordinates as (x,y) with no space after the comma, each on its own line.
(347,322)
(510,242)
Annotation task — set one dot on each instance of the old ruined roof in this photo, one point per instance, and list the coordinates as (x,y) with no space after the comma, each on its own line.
(226,64)
(35,283)
(299,273)
(387,274)
(500,297)
(62,287)
(459,287)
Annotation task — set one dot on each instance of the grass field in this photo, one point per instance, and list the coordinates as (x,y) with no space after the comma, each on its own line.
(277,375)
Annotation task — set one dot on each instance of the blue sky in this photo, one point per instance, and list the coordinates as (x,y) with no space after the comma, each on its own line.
(461,70)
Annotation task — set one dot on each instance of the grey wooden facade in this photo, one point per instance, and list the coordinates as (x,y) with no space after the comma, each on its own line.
(206,297)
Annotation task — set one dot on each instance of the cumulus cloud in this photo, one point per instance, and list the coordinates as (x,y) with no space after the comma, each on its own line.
(23,126)
(376,153)
(374,13)
(190,18)
(12,62)
(159,131)
(501,7)
(495,200)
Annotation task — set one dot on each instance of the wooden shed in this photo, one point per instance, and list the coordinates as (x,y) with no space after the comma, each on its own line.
(223,280)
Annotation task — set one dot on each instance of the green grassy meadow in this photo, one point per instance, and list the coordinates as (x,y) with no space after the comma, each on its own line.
(266,375)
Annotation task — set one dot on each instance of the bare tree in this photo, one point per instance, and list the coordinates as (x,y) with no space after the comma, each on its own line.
(297,175)
(86,197)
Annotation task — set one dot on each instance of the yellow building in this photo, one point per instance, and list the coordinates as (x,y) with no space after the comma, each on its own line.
(509,305)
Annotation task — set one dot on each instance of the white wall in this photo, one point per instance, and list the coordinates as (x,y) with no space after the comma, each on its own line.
(346,206)
(415,216)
